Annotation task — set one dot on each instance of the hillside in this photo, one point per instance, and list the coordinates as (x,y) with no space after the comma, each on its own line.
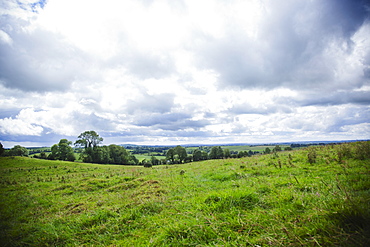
(318,196)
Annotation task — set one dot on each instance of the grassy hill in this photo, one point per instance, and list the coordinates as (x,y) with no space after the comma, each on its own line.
(319,196)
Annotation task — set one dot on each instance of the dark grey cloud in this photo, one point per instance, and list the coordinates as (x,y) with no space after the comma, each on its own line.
(345,16)
(335,98)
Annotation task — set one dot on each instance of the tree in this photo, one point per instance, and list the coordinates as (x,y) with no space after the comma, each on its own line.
(88,139)
(181,153)
(62,151)
(216,153)
(133,160)
(242,154)
(277,148)
(204,155)
(197,155)
(18,150)
(65,150)
(54,152)
(170,155)
(154,160)
(118,154)
(227,153)
(267,150)
(2,150)
(43,155)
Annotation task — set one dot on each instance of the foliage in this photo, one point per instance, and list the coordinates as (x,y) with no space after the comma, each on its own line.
(263,200)
(89,139)
(177,154)
(170,155)
(197,155)
(216,153)
(277,148)
(181,153)
(227,153)
(61,151)
(17,150)
(112,154)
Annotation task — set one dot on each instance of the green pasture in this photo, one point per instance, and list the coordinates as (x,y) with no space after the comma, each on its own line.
(141,157)
(318,196)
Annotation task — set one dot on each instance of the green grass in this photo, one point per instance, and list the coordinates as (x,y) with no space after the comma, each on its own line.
(264,200)
(141,157)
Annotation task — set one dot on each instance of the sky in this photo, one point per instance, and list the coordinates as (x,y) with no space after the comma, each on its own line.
(184,72)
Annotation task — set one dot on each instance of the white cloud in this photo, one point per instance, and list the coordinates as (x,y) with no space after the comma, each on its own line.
(20,125)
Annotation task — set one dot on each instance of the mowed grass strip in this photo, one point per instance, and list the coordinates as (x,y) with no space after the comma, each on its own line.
(318,196)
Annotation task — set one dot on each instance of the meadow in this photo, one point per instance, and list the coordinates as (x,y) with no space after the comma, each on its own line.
(317,196)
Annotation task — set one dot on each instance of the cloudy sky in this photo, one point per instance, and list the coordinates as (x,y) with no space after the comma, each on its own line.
(184,71)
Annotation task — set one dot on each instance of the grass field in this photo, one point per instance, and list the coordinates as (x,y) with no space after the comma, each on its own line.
(319,196)
(141,157)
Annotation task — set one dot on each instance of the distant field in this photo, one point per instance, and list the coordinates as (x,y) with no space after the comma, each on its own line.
(318,196)
(141,157)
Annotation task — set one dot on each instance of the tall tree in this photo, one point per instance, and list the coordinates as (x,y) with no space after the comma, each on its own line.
(170,155)
(181,153)
(89,139)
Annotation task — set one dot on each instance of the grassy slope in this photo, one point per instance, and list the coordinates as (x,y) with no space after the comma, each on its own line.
(263,200)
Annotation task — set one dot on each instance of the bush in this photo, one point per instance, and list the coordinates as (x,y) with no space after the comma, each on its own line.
(17,150)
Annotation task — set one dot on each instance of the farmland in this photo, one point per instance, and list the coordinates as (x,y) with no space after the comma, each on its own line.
(317,196)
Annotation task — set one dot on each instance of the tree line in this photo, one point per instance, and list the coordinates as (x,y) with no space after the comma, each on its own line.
(88,146)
